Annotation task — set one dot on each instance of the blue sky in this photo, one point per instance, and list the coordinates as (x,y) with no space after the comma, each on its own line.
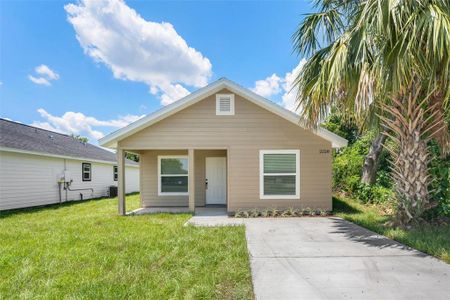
(89,68)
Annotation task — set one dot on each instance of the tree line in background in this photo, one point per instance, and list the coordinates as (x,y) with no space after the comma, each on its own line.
(382,68)
(349,164)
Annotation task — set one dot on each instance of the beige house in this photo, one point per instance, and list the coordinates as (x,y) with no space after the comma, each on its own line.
(225,145)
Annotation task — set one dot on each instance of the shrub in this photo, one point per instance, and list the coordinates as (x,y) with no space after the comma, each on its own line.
(274,212)
(290,212)
(254,213)
(373,193)
(324,213)
(440,186)
(306,211)
(265,213)
(347,164)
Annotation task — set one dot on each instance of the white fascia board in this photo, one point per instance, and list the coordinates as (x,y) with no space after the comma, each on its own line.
(14,150)
(110,140)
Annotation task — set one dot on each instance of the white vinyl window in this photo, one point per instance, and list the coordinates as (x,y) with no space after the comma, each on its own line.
(86,171)
(225,104)
(173,173)
(279,174)
(115,173)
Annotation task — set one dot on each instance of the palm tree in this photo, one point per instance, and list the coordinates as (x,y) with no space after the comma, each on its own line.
(382,60)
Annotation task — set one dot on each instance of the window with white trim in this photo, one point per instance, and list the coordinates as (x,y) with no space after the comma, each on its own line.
(173,174)
(225,104)
(279,174)
(86,171)
(115,173)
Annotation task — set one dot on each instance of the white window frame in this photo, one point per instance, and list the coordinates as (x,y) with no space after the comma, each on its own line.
(225,113)
(160,193)
(83,171)
(262,174)
(115,173)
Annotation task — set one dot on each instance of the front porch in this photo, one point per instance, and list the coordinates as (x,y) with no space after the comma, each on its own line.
(178,180)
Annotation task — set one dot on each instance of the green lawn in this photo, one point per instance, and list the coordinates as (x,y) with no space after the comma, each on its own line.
(434,240)
(84,250)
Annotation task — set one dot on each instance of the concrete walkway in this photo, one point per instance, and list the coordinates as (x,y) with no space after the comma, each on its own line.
(329,258)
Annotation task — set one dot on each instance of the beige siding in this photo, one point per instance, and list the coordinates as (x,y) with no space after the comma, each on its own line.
(149,187)
(251,129)
(31,180)
(149,167)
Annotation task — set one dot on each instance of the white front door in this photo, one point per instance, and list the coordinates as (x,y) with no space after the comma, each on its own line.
(216,180)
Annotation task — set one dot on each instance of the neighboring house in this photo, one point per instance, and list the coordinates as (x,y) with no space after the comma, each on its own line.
(225,145)
(39,167)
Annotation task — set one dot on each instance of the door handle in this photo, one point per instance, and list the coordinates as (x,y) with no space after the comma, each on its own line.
(206,183)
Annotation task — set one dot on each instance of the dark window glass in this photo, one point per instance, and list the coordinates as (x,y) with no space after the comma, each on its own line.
(174,184)
(279,185)
(174,166)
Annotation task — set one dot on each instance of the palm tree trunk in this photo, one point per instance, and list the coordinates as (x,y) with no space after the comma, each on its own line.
(412,178)
(412,124)
(372,160)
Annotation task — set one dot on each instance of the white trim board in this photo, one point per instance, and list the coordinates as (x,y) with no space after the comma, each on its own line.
(160,193)
(262,174)
(111,140)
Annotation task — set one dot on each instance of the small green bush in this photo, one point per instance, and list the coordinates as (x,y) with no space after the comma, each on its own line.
(373,193)
(265,213)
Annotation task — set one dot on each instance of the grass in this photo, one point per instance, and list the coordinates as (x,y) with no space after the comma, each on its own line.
(431,239)
(84,250)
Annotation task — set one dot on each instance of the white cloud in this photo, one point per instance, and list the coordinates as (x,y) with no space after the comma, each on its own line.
(45,75)
(290,92)
(138,50)
(47,72)
(79,124)
(274,84)
(39,80)
(267,87)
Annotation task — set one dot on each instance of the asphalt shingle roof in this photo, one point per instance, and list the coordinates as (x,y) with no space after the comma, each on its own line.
(29,138)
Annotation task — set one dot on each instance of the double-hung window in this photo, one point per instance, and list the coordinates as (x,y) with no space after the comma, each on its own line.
(115,173)
(86,171)
(173,173)
(279,174)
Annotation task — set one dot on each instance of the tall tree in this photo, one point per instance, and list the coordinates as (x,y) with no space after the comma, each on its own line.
(373,58)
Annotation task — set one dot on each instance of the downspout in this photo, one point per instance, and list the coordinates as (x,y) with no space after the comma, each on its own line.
(65,169)
(60,194)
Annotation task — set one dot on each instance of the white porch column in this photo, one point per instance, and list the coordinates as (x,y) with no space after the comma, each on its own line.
(121,180)
(191,180)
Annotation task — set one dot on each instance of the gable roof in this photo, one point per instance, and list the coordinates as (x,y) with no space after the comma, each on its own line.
(17,137)
(223,83)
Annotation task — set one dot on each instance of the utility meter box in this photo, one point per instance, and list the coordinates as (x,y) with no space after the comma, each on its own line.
(67,176)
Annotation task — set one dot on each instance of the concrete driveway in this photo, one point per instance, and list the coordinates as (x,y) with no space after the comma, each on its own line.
(329,258)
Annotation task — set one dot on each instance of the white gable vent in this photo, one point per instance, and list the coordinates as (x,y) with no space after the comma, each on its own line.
(225,104)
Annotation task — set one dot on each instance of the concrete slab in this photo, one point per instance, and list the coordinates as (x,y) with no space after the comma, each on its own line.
(329,258)
(155,210)
(213,216)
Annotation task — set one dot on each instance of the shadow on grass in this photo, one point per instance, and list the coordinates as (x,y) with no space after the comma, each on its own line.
(369,238)
(340,206)
(54,206)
